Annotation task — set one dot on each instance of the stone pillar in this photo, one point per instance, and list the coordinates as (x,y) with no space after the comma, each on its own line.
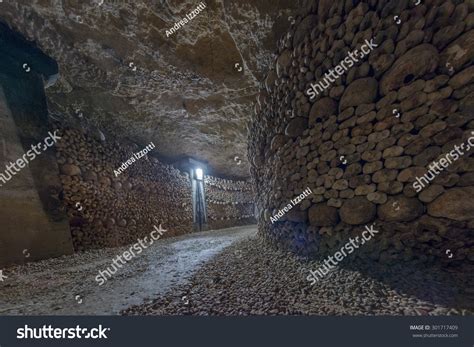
(33,226)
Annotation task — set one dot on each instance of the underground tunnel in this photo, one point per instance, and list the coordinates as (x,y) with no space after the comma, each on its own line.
(237,158)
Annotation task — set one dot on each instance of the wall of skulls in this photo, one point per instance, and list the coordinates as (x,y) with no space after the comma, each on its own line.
(105,210)
(229,203)
(362,143)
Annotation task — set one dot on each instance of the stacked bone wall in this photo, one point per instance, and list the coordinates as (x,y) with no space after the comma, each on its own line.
(105,210)
(229,202)
(361,144)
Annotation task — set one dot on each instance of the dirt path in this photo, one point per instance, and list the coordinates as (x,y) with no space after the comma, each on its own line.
(67,285)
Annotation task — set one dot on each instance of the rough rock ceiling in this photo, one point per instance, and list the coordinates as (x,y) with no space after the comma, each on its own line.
(183,92)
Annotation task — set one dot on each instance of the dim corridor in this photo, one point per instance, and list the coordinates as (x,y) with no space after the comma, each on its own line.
(67,285)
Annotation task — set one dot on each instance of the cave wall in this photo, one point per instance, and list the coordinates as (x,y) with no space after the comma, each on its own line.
(32,225)
(194,69)
(361,143)
(106,210)
(229,202)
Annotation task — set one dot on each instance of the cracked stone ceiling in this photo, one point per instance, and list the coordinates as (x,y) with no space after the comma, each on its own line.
(184,92)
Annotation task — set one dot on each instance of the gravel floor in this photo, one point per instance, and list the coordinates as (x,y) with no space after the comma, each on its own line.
(67,286)
(248,279)
(228,272)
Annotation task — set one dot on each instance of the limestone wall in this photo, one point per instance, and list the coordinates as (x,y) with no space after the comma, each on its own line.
(361,143)
(31,225)
(229,203)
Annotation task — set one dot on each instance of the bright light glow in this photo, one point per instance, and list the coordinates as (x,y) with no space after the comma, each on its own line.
(199,174)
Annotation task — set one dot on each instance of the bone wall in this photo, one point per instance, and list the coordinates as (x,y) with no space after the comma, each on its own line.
(106,210)
(229,203)
(361,143)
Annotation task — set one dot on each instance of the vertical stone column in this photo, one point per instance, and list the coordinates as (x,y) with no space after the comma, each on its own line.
(32,224)
(28,233)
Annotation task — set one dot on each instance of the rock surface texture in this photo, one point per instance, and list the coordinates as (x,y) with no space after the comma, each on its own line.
(363,141)
(184,91)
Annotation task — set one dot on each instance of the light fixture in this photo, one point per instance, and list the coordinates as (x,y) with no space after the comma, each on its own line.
(199,174)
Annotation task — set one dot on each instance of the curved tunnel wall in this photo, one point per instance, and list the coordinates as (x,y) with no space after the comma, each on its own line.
(106,209)
(360,143)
